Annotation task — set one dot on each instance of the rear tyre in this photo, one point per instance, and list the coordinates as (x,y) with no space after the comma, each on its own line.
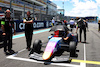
(37,46)
(72,49)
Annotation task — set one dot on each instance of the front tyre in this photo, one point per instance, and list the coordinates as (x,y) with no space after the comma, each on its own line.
(37,46)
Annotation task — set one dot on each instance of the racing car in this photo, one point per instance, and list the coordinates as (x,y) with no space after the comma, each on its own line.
(54,46)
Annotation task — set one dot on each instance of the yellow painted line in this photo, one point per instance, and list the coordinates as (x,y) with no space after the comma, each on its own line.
(88,62)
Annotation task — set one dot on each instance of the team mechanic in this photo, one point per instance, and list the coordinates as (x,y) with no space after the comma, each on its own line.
(6,25)
(28,30)
(82,26)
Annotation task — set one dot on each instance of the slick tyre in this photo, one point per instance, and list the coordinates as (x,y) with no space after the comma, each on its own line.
(37,46)
(72,48)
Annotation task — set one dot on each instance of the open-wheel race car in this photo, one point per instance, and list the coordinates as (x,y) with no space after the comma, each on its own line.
(55,45)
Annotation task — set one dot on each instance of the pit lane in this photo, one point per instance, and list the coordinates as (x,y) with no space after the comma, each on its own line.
(21,59)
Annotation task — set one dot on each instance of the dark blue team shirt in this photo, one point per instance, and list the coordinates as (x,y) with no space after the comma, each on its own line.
(71,37)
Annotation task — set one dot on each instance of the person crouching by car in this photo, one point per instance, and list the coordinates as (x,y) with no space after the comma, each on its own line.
(69,37)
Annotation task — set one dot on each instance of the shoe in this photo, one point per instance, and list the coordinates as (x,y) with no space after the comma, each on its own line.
(84,41)
(7,53)
(28,49)
(11,51)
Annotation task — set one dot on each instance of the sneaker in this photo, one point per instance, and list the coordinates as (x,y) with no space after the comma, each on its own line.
(11,51)
(28,49)
(7,53)
(84,41)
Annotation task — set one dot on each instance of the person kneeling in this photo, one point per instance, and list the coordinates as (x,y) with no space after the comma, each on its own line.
(69,37)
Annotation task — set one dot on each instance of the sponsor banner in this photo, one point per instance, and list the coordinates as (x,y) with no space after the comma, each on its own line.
(20,26)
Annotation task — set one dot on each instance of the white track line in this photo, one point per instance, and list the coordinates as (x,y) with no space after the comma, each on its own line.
(84,52)
(58,64)
(21,50)
(31,60)
(84,64)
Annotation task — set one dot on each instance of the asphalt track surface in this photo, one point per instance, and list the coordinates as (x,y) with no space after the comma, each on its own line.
(88,55)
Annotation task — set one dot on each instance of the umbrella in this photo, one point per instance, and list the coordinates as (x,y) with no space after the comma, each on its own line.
(59,27)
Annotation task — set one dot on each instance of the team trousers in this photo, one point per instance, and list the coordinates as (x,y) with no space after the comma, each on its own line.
(82,29)
(7,41)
